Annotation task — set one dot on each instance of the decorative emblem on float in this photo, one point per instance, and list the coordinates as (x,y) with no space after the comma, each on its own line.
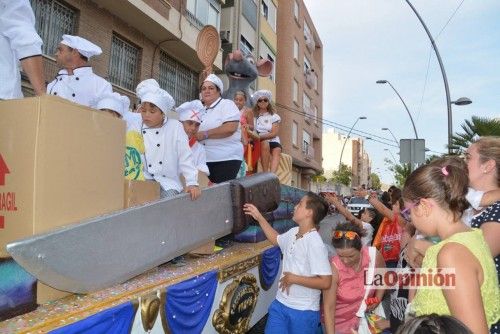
(237,305)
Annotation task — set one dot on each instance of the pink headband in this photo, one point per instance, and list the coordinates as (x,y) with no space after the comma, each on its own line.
(444,171)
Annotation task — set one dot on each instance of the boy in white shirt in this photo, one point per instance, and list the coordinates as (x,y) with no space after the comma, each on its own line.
(306,270)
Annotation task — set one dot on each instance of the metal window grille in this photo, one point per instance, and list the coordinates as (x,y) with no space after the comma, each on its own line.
(53,19)
(124,63)
(178,80)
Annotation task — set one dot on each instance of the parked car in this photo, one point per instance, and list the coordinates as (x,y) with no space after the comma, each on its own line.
(357,204)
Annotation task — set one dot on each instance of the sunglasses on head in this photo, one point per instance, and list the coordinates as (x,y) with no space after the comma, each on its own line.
(349,235)
(262,100)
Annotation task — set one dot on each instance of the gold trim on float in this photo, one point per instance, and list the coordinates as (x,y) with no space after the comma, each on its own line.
(135,305)
(236,305)
(150,305)
(233,270)
(163,314)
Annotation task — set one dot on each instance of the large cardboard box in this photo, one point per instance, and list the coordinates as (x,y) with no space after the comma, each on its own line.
(140,192)
(60,163)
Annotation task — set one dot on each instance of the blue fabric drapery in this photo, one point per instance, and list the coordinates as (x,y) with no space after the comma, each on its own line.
(269,266)
(116,320)
(189,303)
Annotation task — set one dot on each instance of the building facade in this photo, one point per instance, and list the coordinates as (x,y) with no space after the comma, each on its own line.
(354,156)
(299,100)
(250,26)
(140,40)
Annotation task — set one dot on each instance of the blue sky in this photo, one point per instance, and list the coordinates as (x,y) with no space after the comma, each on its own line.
(368,40)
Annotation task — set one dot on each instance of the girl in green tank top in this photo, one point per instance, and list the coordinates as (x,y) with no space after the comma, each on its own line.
(434,196)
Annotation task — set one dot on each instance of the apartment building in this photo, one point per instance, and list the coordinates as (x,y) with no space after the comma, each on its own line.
(299,78)
(353,155)
(250,26)
(140,39)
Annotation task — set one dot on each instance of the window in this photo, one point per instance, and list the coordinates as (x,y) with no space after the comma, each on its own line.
(296,10)
(250,11)
(307,65)
(295,130)
(295,91)
(266,53)
(306,141)
(245,46)
(123,64)
(265,10)
(203,12)
(268,10)
(53,19)
(295,49)
(177,79)
(306,106)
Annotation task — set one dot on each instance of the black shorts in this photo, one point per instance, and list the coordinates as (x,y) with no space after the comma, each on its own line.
(221,171)
(273,145)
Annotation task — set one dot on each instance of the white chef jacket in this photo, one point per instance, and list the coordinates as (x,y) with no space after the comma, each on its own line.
(223,149)
(83,86)
(200,158)
(264,124)
(167,155)
(18,40)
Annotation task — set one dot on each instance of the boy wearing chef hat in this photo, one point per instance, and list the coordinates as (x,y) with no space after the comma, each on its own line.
(167,153)
(189,116)
(76,81)
(114,104)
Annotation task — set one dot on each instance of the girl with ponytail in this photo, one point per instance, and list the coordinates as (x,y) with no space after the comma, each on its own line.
(434,199)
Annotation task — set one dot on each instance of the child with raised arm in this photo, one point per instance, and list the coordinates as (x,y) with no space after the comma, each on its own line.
(306,270)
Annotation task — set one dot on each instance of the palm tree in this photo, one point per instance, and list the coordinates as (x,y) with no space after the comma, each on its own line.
(476,127)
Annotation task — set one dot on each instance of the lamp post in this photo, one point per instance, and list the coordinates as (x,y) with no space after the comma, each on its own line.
(393,136)
(406,107)
(345,141)
(461,101)
(392,155)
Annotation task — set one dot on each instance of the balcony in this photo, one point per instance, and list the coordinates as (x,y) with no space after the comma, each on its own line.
(308,151)
(309,115)
(310,79)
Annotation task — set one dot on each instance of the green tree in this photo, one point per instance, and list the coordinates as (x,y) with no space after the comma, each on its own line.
(401,172)
(342,176)
(319,178)
(375,181)
(476,127)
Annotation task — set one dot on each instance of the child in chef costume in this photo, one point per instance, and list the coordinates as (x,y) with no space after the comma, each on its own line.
(167,154)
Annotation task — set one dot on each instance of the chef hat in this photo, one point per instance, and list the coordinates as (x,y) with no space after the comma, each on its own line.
(149,91)
(260,94)
(114,101)
(84,47)
(190,111)
(216,81)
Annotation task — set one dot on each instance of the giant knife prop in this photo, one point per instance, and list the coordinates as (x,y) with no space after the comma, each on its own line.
(110,249)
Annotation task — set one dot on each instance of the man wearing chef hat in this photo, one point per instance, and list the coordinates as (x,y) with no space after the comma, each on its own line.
(76,81)
(19,43)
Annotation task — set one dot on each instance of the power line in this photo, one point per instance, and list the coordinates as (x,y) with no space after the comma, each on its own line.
(340,127)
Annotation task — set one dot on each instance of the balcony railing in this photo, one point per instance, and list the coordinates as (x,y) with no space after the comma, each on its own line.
(309,115)
(308,151)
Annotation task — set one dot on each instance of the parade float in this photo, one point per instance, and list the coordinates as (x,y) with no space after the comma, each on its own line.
(75,260)
(84,251)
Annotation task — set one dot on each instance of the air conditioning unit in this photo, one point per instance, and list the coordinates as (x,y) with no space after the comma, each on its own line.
(225,36)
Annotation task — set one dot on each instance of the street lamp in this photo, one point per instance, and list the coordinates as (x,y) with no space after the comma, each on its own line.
(461,101)
(392,155)
(345,141)
(393,136)
(406,107)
